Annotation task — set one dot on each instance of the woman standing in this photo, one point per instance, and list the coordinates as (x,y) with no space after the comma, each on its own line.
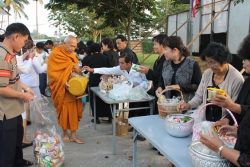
(108,50)
(178,71)
(97,60)
(155,73)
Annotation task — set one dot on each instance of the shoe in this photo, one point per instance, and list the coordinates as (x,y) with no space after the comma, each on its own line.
(26,163)
(159,153)
(97,120)
(131,129)
(108,120)
(28,122)
(140,137)
(153,148)
(24,145)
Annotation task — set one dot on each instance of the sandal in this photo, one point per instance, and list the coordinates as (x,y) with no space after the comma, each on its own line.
(27,163)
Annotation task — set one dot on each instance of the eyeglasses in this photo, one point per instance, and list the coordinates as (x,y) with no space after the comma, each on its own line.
(212,64)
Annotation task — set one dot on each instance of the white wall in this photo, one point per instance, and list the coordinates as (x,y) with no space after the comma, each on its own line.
(182,17)
(238,24)
(171,24)
(196,30)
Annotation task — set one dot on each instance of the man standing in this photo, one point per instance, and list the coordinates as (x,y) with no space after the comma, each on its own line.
(12,97)
(48,46)
(61,62)
(42,56)
(121,43)
(125,69)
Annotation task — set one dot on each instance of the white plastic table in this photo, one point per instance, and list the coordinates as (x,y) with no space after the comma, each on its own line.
(113,103)
(152,127)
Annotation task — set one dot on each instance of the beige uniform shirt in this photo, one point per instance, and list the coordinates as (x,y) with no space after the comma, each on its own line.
(9,76)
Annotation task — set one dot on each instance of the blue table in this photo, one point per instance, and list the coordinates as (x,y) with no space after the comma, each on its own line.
(113,103)
(152,128)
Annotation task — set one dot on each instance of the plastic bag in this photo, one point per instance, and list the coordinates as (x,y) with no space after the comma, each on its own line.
(138,93)
(121,92)
(48,145)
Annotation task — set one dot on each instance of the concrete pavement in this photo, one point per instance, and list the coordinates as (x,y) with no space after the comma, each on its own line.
(97,148)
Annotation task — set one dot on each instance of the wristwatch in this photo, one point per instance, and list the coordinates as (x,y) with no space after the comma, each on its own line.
(220,149)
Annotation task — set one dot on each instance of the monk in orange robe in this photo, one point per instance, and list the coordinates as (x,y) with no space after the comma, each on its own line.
(61,62)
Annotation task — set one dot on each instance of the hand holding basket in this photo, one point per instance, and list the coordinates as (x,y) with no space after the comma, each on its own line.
(167,108)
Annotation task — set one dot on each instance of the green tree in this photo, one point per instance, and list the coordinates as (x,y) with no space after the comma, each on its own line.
(18,7)
(116,13)
(79,21)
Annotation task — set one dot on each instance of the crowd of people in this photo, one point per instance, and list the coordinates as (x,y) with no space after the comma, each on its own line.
(28,69)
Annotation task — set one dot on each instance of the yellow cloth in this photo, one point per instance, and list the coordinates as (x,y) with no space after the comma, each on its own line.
(68,108)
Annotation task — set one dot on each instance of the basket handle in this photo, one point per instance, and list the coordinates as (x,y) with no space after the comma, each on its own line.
(167,89)
(209,104)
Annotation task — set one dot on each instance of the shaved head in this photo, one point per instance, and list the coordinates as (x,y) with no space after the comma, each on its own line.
(70,43)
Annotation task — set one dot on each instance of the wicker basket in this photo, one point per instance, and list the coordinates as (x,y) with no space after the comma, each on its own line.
(165,109)
(197,127)
(121,130)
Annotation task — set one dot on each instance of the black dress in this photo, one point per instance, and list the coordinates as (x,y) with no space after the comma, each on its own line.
(243,119)
(244,100)
(112,56)
(98,60)
(154,75)
(243,140)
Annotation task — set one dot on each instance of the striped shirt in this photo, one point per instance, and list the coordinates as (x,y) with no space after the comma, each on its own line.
(9,76)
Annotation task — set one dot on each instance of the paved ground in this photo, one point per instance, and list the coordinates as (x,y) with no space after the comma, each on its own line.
(97,149)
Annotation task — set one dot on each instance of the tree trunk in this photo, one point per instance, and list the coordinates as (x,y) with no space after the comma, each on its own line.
(37,33)
(128,32)
(78,38)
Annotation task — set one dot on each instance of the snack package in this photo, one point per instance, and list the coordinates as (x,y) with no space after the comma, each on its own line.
(48,145)
(214,91)
(107,82)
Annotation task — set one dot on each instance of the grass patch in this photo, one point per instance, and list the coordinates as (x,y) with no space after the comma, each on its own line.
(150,61)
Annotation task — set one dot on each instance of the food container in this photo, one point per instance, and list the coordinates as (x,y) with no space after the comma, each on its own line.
(179,129)
(200,159)
(167,108)
(77,85)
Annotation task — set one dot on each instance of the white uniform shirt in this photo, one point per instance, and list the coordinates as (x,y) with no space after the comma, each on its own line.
(23,68)
(133,76)
(41,57)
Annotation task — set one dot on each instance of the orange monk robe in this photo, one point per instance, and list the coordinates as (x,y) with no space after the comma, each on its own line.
(68,108)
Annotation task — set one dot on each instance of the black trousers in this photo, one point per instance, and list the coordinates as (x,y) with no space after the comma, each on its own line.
(11,136)
(42,83)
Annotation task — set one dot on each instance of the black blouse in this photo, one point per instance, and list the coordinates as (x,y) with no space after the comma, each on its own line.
(243,141)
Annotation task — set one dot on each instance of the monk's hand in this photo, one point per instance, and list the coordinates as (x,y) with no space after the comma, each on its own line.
(76,66)
(87,68)
(67,85)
